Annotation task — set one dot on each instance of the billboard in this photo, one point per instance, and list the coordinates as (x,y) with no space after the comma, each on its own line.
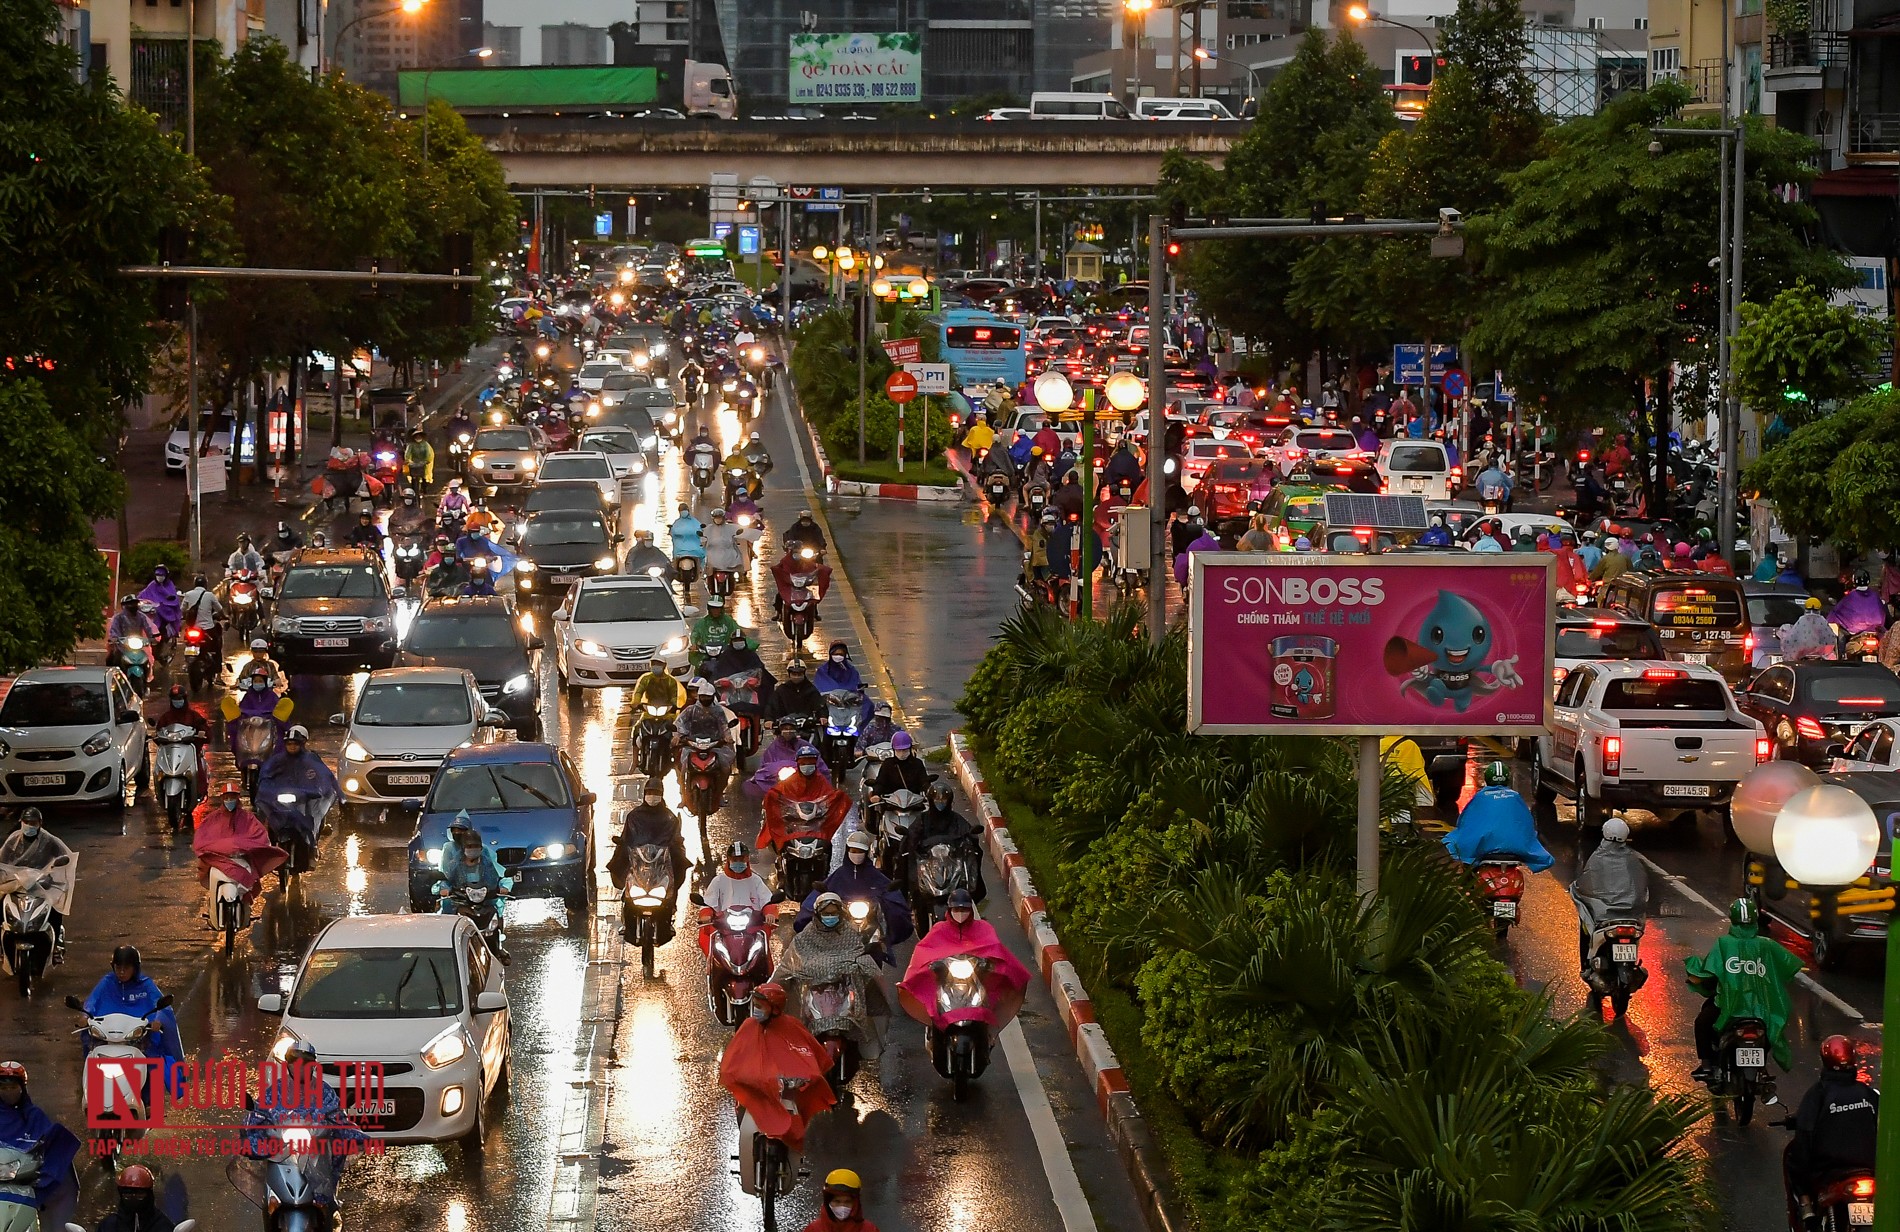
(855,68)
(1429,645)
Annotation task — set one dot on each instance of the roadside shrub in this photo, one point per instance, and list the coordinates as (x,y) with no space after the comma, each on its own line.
(989,694)
(1027,750)
(135,568)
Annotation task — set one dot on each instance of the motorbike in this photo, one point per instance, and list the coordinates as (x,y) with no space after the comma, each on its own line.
(654,740)
(996,488)
(460,446)
(1841,1202)
(839,744)
(643,900)
(1539,465)
(135,660)
(408,556)
(768,1167)
(27,941)
(1742,1073)
(227,910)
(1616,965)
(293,1178)
(484,910)
(760,461)
(741,961)
(1622,496)
(702,781)
(805,857)
(740,694)
(280,817)
(121,1036)
(741,483)
(1036,497)
(935,873)
(686,571)
(1501,882)
(244,600)
(720,582)
(960,1050)
(175,770)
(702,477)
(898,812)
(874,757)
(203,662)
(835,1013)
(799,617)
(386,469)
(253,740)
(1863,646)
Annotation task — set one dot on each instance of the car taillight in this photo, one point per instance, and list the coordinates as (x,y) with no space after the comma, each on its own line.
(1810,728)
(1612,754)
(1557,674)
(1748,643)
(1764,748)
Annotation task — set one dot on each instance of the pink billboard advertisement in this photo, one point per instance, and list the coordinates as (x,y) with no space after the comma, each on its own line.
(1430,644)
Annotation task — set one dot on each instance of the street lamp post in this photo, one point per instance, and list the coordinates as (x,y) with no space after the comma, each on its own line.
(473,53)
(1362,16)
(1056,397)
(411,7)
(1253,84)
(1134,27)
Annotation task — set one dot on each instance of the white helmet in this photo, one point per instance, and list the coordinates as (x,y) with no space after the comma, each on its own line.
(1616,830)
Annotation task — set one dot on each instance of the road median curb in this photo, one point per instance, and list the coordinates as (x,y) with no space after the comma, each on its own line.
(1142,1159)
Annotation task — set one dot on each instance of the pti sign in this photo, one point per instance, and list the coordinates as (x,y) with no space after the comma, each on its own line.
(1428,645)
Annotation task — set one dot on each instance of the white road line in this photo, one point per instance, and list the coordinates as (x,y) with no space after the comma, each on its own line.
(1721,913)
(1064,1186)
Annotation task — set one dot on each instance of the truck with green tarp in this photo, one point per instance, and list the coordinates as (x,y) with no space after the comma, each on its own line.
(696,89)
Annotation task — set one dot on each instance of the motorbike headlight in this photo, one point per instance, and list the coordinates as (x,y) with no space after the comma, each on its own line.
(519,685)
(961,968)
(430,855)
(354,751)
(445,1049)
(97,745)
(281,1048)
(674,645)
(589,648)
(659,348)
(243,597)
(285,797)
(524,565)
(604,562)
(135,643)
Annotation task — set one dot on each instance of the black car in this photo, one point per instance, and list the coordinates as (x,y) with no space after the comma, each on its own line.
(559,547)
(482,634)
(560,495)
(1809,706)
(332,613)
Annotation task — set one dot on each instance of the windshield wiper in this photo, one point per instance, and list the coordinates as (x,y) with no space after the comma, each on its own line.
(545,801)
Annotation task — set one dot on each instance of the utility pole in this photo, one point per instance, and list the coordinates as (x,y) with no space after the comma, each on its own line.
(1157,439)
(193,483)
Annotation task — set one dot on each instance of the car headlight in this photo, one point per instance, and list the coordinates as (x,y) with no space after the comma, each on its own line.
(589,648)
(524,565)
(354,751)
(669,417)
(479,461)
(604,562)
(445,1049)
(528,464)
(97,745)
(519,685)
(674,645)
(376,624)
(639,361)
(659,348)
(551,851)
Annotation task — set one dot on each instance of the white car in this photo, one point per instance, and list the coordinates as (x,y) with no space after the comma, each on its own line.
(417,999)
(178,445)
(406,721)
(70,735)
(609,628)
(594,372)
(1872,748)
(1536,523)
(1299,445)
(582,464)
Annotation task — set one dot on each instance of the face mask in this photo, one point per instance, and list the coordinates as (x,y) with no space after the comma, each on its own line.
(30,831)
(961,917)
(857,857)
(655,801)
(738,868)
(830,921)
(230,806)
(841,1210)
(807,771)
(178,703)
(760,1013)
(258,686)
(837,658)
(901,754)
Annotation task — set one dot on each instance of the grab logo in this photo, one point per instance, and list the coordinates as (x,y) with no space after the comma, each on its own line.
(1737,965)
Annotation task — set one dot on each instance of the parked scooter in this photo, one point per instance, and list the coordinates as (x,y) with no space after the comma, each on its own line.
(28,944)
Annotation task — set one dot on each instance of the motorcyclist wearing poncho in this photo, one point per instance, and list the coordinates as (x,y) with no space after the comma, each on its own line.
(1497,824)
(1614,885)
(1744,975)
(835,949)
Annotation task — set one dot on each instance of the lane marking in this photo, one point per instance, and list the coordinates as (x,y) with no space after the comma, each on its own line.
(1065,1187)
(1689,892)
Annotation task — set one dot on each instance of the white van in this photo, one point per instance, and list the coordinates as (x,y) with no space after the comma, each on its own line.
(1415,468)
(1181,109)
(1076,107)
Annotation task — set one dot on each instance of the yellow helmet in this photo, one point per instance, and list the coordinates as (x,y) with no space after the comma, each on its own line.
(843,1178)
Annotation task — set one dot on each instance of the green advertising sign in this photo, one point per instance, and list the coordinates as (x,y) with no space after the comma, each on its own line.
(855,68)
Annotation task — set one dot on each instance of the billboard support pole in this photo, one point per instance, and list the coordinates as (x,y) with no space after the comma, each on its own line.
(1370,778)
(1157,442)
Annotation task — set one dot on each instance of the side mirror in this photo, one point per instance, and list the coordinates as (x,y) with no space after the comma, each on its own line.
(695,898)
(490,1002)
(1836,749)
(692,612)
(586,797)
(339,719)
(164,1003)
(413,803)
(535,642)
(189,1225)
(62,861)
(128,716)
(494,718)
(74,1003)
(271,1003)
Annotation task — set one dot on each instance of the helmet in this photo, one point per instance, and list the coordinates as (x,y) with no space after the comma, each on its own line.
(31,814)
(807,753)
(409,494)
(1616,830)
(859,841)
(1497,774)
(960,897)
(829,896)
(1742,912)
(244,536)
(938,790)
(127,956)
(297,732)
(882,707)
(738,851)
(718,515)
(795,669)
(901,740)
(1813,603)
(715,601)
(843,1178)
(1837,1053)
(301,1050)
(1194,511)
(804,515)
(178,693)
(1861,580)
(704,689)
(13,1069)
(128,601)
(773,995)
(138,1177)
(230,787)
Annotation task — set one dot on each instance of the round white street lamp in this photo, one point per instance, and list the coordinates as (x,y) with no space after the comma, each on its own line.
(1053,392)
(1826,836)
(1759,798)
(1126,391)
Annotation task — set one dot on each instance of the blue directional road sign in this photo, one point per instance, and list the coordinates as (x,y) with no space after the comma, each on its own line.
(1408,362)
(748,241)
(830,200)
(603,224)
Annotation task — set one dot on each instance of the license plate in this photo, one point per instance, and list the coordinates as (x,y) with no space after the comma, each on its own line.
(332,643)
(564,579)
(1623,951)
(1417,485)
(371,1109)
(1700,659)
(1860,1214)
(409,780)
(190,651)
(1504,909)
(44,780)
(1750,1058)
(1686,791)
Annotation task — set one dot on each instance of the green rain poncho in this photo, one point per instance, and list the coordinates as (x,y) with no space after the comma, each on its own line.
(1750,973)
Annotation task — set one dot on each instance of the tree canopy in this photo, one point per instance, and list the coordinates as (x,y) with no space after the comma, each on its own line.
(1838,477)
(1797,351)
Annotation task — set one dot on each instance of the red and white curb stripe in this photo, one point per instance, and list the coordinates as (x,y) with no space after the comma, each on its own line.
(1065,984)
(897,491)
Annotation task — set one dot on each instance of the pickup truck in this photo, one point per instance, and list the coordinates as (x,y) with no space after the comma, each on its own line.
(1666,737)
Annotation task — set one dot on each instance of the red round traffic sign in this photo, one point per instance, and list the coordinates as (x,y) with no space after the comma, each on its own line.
(901,386)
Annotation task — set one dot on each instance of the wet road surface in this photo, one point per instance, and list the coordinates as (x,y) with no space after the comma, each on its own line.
(611,1072)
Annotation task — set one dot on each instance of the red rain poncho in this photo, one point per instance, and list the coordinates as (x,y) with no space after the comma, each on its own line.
(1004,981)
(762,1053)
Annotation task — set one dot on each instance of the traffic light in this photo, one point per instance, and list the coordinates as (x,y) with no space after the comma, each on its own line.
(1174,249)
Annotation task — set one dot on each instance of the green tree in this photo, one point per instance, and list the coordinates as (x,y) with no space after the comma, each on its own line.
(1600,257)
(1838,477)
(1798,351)
(85,185)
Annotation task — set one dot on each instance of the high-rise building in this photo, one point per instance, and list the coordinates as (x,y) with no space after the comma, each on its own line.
(573,43)
(141,44)
(373,40)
